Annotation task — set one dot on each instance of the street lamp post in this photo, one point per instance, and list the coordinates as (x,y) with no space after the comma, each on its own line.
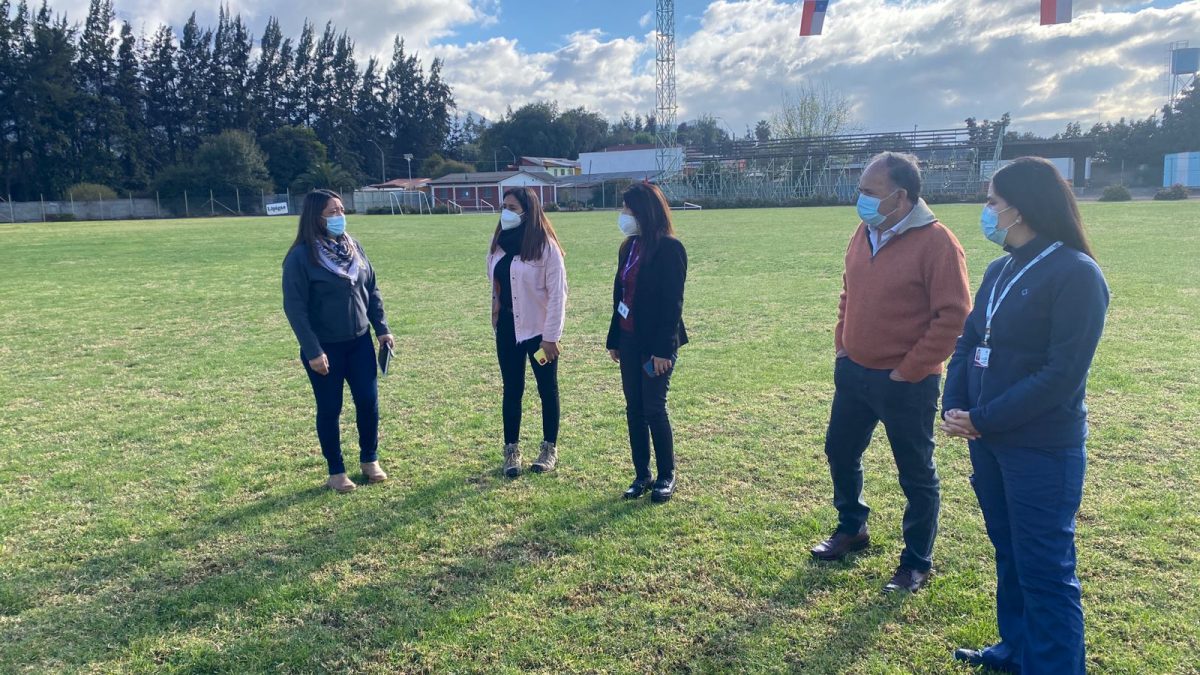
(382,162)
(408,158)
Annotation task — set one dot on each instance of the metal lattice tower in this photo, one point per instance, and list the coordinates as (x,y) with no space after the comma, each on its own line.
(666,107)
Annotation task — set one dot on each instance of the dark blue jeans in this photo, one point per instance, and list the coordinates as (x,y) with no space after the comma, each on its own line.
(646,411)
(351,362)
(864,397)
(1029,497)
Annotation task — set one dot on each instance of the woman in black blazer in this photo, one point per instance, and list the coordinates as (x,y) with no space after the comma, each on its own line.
(646,331)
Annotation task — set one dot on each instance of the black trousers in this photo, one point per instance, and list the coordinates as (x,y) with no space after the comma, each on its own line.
(646,411)
(512,357)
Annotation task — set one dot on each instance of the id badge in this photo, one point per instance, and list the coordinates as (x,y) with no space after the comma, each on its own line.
(982,356)
(623,310)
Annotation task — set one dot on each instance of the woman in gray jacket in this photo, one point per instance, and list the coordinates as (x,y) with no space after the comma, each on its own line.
(331,301)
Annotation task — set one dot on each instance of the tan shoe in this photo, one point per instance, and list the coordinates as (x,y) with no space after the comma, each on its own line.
(546,460)
(512,460)
(373,473)
(340,483)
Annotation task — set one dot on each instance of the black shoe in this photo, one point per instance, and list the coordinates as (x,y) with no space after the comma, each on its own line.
(637,488)
(973,657)
(907,579)
(976,658)
(840,544)
(663,489)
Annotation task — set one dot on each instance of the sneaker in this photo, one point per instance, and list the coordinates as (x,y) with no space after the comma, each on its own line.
(546,460)
(512,460)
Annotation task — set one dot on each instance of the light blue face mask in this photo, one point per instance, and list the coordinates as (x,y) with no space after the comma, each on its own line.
(989,222)
(868,209)
(336,225)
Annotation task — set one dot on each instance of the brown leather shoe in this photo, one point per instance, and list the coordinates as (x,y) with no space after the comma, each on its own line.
(840,544)
(907,579)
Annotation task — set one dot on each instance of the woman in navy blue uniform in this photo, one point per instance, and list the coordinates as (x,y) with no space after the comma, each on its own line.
(1015,390)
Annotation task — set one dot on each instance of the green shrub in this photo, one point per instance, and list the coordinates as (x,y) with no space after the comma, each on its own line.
(1116,193)
(1176,191)
(89,192)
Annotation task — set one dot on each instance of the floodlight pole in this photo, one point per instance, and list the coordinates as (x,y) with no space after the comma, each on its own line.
(408,158)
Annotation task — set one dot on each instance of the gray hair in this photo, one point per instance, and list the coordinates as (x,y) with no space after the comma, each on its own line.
(904,170)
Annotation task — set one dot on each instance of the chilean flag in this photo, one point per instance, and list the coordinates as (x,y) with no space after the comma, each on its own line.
(813,17)
(1056,11)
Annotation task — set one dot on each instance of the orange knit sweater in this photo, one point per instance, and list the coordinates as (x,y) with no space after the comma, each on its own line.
(904,308)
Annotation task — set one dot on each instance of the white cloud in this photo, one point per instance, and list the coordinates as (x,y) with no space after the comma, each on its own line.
(592,70)
(933,63)
(925,62)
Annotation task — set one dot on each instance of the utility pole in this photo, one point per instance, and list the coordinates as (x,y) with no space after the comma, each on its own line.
(408,158)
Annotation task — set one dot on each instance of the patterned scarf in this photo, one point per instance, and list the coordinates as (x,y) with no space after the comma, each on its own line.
(339,257)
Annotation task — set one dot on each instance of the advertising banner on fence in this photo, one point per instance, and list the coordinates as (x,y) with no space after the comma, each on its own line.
(277,209)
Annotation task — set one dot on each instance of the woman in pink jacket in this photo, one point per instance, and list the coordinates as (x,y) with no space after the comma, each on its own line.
(529,298)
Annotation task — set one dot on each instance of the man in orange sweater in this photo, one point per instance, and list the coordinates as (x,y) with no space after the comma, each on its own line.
(904,300)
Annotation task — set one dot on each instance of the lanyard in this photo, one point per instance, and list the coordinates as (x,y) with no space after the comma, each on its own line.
(631,260)
(994,302)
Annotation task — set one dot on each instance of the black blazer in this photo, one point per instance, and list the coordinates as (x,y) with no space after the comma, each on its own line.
(657,301)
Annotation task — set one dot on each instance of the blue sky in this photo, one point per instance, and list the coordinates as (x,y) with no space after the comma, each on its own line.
(925,62)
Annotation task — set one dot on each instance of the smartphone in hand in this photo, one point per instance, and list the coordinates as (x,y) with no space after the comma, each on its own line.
(385,358)
(649,366)
(540,357)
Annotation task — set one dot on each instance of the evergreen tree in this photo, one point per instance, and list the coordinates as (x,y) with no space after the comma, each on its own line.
(100,122)
(132,141)
(300,92)
(163,110)
(194,56)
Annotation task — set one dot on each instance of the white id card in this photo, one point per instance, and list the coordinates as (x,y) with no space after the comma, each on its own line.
(623,310)
(982,356)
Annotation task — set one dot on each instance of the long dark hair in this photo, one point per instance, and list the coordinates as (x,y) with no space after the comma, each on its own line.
(312,223)
(538,229)
(1046,202)
(649,206)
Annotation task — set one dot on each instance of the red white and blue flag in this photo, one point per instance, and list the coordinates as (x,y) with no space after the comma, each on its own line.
(1056,11)
(813,17)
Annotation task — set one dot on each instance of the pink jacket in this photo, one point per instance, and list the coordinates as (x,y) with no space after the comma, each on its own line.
(539,293)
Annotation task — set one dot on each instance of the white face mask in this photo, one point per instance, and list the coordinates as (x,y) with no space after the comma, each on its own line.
(628,224)
(510,219)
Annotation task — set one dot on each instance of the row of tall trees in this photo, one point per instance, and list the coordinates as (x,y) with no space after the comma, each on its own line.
(80,104)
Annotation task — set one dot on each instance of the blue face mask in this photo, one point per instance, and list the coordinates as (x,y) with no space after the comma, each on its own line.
(989,222)
(336,225)
(868,209)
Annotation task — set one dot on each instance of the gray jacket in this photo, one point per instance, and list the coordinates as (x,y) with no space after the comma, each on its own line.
(323,307)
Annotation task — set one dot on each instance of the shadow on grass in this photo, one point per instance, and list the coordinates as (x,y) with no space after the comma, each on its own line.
(854,630)
(135,604)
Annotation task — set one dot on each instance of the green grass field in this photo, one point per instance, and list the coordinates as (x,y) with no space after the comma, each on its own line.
(161,508)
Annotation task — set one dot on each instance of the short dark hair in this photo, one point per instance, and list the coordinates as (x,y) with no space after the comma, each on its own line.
(904,170)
